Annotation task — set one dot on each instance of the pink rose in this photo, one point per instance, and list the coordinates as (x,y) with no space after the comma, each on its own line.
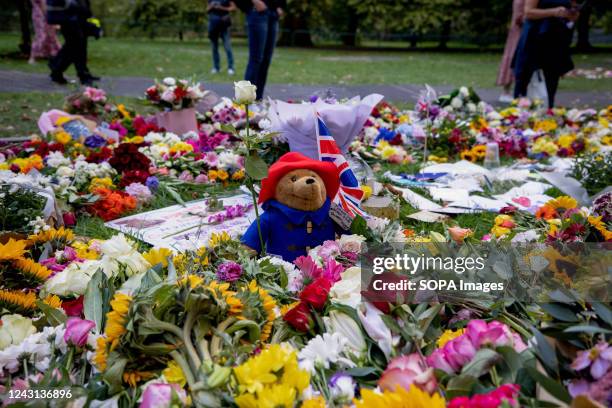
(405,371)
(77,331)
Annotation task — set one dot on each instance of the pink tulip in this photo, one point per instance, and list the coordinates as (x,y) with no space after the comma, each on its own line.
(77,331)
(404,371)
(160,395)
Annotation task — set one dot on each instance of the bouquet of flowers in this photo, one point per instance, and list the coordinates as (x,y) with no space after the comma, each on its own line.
(87,102)
(173,94)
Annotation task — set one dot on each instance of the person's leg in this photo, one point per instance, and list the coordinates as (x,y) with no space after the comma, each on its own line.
(65,56)
(257,24)
(521,82)
(268,52)
(227,44)
(80,58)
(551,77)
(213,35)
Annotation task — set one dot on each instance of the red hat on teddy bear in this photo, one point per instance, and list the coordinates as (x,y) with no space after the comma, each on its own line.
(293,161)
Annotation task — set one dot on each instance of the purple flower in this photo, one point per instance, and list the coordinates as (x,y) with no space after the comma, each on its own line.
(599,358)
(77,331)
(229,271)
(95,141)
(153,183)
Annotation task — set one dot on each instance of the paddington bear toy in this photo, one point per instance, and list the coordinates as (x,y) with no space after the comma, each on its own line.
(296,198)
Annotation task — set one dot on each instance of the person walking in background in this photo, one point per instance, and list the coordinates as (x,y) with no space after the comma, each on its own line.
(505,76)
(72,17)
(45,44)
(544,44)
(262,22)
(219,23)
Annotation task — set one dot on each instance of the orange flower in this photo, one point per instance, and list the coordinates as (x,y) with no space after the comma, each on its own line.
(459,234)
(112,204)
(546,212)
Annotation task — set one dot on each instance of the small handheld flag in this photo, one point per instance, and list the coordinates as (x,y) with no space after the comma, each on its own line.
(350,194)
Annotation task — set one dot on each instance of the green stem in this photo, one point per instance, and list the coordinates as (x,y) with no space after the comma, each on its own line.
(251,184)
(215,343)
(191,351)
(180,360)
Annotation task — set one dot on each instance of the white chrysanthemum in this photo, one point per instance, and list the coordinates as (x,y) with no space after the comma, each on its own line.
(228,160)
(57,159)
(324,350)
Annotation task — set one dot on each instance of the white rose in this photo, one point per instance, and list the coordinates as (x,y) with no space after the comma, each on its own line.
(169,81)
(65,172)
(464,91)
(347,291)
(119,251)
(351,243)
(456,103)
(245,92)
(15,328)
(471,107)
(168,95)
(73,280)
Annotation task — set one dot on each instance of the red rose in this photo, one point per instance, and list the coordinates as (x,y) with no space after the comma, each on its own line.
(69,219)
(299,317)
(316,293)
(180,93)
(73,307)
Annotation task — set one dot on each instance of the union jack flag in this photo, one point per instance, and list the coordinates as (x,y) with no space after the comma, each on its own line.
(349,194)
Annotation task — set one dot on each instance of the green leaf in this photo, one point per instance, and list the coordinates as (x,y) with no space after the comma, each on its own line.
(359,226)
(512,360)
(603,312)
(228,129)
(545,351)
(360,371)
(250,326)
(587,329)
(481,363)
(460,385)
(553,387)
(255,167)
(55,317)
(114,375)
(92,303)
(559,312)
(176,196)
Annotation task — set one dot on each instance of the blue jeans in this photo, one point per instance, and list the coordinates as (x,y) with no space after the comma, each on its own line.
(216,29)
(262,29)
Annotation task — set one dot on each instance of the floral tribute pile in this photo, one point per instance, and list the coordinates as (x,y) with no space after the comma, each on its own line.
(116,323)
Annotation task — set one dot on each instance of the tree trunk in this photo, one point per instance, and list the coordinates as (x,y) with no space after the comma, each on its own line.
(350,37)
(296,31)
(445,35)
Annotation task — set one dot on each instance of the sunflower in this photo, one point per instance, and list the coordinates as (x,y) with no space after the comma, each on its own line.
(33,270)
(400,398)
(61,234)
(221,291)
(269,306)
(480,151)
(17,301)
(563,202)
(600,226)
(158,256)
(218,239)
(12,250)
(468,155)
(115,328)
(53,301)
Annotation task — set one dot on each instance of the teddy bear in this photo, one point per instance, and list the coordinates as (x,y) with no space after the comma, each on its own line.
(296,198)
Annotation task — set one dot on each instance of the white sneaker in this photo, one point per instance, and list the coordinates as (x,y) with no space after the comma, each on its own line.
(505,98)
(230,71)
(214,71)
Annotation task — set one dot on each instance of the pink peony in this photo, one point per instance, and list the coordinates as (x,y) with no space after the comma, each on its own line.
(404,371)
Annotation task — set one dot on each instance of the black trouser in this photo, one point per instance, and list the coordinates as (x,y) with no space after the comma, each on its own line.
(551,78)
(74,50)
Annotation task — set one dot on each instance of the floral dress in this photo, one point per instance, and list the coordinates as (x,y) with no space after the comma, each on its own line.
(45,42)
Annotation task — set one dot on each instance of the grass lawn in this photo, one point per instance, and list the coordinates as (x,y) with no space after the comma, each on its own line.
(19,112)
(158,58)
